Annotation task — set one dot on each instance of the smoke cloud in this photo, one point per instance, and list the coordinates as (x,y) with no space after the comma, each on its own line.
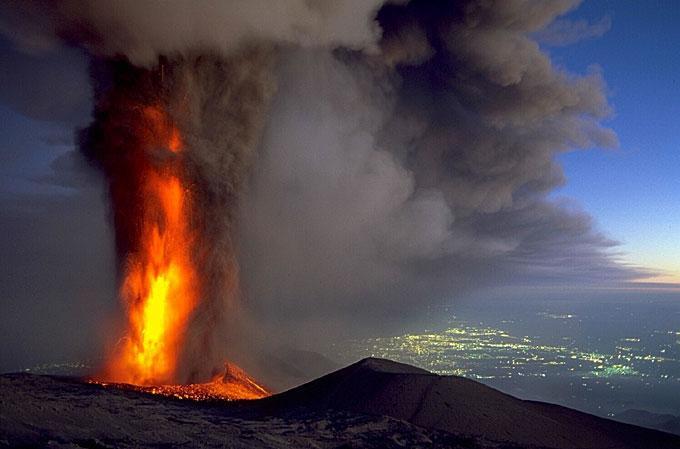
(354,162)
(390,183)
(143,30)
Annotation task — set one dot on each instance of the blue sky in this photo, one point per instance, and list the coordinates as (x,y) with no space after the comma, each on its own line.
(633,192)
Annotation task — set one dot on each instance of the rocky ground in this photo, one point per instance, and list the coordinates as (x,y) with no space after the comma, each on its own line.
(43,411)
(371,404)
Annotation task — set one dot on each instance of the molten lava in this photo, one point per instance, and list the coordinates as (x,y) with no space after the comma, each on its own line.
(175,142)
(233,384)
(160,283)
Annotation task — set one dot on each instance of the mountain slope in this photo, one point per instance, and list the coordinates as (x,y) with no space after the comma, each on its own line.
(371,404)
(51,412)
(463,407)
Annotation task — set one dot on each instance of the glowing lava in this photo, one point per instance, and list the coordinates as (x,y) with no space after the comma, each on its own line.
(160,283)
(233,384)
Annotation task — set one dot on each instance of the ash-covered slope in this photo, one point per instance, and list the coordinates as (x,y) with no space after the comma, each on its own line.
(463,407)
(371,404)
(66,413)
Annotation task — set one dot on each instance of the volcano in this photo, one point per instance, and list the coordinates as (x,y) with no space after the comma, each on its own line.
(374,403)
(174,143)
(233,384)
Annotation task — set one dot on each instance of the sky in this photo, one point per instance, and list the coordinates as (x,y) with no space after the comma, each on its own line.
(634,191)
(402,176)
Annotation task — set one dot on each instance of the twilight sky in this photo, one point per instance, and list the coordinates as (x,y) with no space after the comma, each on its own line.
(59,261)
(633,192)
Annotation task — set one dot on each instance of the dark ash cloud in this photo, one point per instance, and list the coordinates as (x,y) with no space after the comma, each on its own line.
(406,159)
(390,183)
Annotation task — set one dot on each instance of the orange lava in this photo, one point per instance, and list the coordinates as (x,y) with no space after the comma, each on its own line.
(160,283)
(234,384)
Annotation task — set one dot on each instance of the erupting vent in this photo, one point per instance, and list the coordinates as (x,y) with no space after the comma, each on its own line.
(175,142)
(232,385)
(159,287)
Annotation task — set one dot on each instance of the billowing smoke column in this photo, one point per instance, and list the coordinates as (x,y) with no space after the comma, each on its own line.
(407,157)
(175,142)
(417,175)
(180,94)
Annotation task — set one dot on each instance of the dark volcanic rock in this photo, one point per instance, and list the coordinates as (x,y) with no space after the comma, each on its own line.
(42,411)
(371,404)
(463,407)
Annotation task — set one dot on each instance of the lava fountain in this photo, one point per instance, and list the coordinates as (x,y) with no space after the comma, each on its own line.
(160,286)
(175,142)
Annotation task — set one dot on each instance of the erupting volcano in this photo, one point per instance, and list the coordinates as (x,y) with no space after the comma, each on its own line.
(174,142)
(233,383)
(160,285)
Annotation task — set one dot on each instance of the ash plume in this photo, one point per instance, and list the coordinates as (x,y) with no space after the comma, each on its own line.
(218,104)
(353,162)
(395,182)
(209,69)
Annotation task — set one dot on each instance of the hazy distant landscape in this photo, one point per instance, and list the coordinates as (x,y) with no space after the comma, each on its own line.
(604,356)
(565,352)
